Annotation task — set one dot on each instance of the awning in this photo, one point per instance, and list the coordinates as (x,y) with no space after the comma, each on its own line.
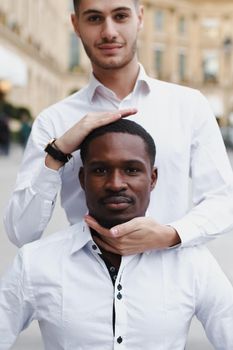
(12,67)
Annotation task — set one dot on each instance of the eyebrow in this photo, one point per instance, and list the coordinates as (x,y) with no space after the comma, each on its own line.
(126,162)
(95,11)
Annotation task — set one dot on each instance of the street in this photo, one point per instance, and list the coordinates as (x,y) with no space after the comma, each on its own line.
(30,339)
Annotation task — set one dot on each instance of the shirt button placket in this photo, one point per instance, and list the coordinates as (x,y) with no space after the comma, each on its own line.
(121,317)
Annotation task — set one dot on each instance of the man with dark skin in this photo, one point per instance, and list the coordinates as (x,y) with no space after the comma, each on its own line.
(117,187)
(86,298)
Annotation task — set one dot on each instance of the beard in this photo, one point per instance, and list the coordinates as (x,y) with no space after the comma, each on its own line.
(109,223)
(113,63)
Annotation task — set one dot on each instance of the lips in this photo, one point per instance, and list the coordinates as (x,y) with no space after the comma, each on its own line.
(110,46)
(117,202)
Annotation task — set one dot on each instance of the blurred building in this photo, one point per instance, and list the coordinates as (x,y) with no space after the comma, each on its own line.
(34,51)
(184,41)
(191,42)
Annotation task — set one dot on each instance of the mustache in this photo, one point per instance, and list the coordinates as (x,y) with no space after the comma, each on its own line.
(106,41)
(116,198)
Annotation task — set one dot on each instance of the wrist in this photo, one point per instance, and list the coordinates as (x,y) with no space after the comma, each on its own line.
(173,236)
(62,146)
(55,158)
(52,163)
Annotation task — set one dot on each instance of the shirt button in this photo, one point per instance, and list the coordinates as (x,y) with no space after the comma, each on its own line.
(112,269)
(94,247)
(119,296)
(119,340)
(119,287)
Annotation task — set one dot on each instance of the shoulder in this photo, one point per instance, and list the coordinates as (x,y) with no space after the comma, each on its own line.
(52,247)
(68,109)
(196,259)
(173,90)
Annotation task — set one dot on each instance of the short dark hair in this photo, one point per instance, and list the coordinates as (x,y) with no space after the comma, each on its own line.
(124,126)
(77,2)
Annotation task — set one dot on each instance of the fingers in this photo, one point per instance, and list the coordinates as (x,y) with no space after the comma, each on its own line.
(126,228)
(116,231)
(72,138)
(105,246)
(100,119)
(117,247)
(92,223)
(127,112)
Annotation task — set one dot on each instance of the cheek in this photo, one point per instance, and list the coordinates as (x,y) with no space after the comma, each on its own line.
(143,192)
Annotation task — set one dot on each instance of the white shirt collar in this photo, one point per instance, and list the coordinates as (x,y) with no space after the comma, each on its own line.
(143,82)
(81,236)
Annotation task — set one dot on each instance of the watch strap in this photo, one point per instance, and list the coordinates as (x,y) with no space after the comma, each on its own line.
(55,153)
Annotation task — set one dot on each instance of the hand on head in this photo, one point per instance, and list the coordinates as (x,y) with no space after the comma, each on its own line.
(71,139)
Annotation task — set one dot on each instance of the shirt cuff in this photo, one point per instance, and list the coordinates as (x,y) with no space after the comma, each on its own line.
(189,234)
(47,183)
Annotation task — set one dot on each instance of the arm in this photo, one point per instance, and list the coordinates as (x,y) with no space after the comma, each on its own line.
(212,182)
(39,181)
(214,307)
(32,202)
(16,307)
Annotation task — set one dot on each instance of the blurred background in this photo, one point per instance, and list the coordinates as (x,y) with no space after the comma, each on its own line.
(188,42)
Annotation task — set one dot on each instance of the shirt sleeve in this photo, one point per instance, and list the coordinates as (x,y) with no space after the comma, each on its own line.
(32,202)
(17,308)
(214,307)
(212,182)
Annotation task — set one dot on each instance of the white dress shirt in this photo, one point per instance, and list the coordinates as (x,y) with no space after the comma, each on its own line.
(62,282)
(188,143)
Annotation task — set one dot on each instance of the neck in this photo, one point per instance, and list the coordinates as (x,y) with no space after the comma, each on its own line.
(115,259)
(121,81)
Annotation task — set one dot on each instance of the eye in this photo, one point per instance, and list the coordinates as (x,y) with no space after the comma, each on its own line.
(94,18)
(132,171)
(100,171)
(121,16)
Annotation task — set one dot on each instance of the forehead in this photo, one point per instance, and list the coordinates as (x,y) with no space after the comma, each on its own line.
(118,146)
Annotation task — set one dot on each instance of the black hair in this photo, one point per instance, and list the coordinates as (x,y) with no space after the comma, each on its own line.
(77,2)
(120,126)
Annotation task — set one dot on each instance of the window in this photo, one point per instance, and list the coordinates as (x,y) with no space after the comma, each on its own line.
(210,67)
(159,20)
(74,51)
(159,62)
(182,66)
(211,27)
(182,25)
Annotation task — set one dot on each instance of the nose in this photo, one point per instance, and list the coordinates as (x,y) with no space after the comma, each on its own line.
(109,31)
(115,182)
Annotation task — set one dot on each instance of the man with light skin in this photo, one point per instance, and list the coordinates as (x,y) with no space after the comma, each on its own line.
(87,298)
(179,118)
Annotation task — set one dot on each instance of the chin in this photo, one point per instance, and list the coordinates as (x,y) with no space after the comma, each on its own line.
(110,222)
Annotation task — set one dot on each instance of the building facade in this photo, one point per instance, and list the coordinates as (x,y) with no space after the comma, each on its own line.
(188,42)
(34,47)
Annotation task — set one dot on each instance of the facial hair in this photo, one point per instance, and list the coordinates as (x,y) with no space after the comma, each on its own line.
(100,63)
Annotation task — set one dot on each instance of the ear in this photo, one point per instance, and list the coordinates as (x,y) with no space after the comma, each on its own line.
(81,178)
(154,175)
(74,20)
(140,17)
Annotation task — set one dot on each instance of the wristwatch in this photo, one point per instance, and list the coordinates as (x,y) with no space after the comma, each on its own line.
(55,153)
